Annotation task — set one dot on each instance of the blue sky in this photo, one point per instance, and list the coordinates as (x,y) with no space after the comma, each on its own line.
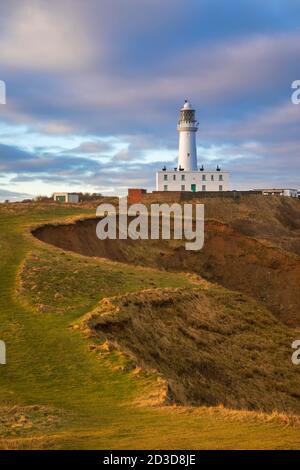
(94,89)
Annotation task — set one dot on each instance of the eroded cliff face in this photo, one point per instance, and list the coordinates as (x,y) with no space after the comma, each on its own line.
(227,341)
(212,346)
(256,265)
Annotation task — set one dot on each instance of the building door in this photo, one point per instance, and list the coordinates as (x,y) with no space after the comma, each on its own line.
(193,188)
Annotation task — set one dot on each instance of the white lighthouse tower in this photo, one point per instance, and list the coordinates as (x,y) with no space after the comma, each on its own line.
(187,128)
(186,176)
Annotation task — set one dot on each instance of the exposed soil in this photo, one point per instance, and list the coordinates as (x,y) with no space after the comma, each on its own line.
(230,257)
(212,346)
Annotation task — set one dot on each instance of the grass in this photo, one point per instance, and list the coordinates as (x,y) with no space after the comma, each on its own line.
(51,366)
(72,284)
(212,346)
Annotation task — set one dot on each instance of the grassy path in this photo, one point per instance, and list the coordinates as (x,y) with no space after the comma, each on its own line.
(50,365)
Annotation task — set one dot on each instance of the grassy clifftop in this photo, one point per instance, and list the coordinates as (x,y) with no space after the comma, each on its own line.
(252,265)
(59,392)
(275,220)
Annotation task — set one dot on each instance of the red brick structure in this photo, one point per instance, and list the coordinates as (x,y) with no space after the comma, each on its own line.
(135,196)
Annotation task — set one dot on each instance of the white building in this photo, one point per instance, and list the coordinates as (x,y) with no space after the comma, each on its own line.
(187,176)
(279,192)
(71,198)
(170,180)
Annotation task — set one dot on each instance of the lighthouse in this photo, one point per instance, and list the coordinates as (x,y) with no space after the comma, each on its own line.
(187,128)
(187,176)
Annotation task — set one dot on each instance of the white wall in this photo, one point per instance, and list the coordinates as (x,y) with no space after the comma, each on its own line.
(290,192)
(69,197)
(280,192)
(187,158)
(192,177)
(74,198)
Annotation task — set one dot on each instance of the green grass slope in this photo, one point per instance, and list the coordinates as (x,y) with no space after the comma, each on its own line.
(56,392)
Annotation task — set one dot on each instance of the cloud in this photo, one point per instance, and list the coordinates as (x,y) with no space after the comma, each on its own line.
(13,195)
(279,123)
(99,88)
(55,128)
(93,147)
(43,37)
(228,80)
(11,154)
(25,168)
(14,160)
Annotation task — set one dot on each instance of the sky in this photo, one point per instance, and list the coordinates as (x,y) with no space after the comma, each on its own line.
(94,88)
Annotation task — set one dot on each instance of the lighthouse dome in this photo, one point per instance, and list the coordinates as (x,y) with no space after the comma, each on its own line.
(187,105)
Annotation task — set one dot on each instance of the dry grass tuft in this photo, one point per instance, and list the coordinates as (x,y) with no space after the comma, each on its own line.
(213,347)
(21,420)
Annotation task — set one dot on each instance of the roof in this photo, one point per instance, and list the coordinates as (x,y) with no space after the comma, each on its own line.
(275,189)
(64,193)
(187,105)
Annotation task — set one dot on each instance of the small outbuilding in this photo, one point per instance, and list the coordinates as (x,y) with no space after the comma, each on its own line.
(279,192)
(71,198)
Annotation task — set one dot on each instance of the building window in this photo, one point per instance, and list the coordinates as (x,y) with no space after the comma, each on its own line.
(165,177)
(203,177)
(220,187)
(220,177)
(182,177)
(165,187)
(203,187)
(212,177)
(60,198)
(174,177)
(182,187)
